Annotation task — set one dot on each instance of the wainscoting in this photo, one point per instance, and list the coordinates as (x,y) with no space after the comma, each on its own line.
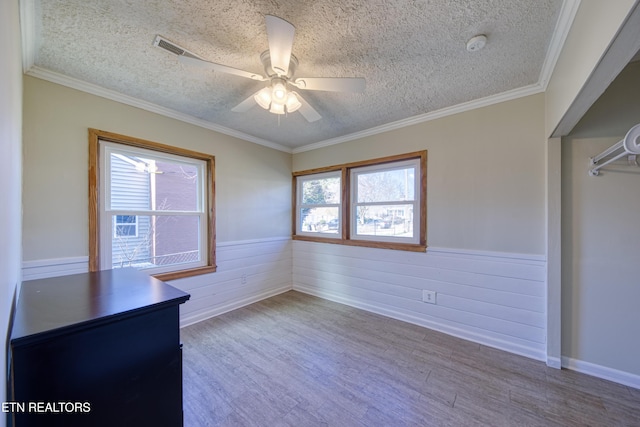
(248,271)
(53,267)
(491,298)
(495,299)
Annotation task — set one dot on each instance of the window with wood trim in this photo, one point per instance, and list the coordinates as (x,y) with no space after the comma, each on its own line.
(377,203)
(151,207)
(319,204)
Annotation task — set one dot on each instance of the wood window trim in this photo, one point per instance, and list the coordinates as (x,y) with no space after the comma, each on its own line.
(346,196)
(95,136)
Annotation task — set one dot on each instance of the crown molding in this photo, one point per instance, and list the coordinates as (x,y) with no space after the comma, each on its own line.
(560,33)
(28,30)
(100,91)
(29,52)
(421,118)
(563,24)
(566,16)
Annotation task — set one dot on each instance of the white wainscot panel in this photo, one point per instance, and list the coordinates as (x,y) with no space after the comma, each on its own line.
(44,268)
(492,298)
(247,271)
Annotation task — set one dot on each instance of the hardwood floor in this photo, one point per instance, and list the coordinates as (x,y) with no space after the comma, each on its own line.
(297,360)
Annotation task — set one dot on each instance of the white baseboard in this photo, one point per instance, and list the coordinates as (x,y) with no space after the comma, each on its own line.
(621,377)
(529,352)
(554,362)
(216,311)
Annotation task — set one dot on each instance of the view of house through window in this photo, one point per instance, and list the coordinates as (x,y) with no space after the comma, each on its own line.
(384,204)
(142,184)
(153,209)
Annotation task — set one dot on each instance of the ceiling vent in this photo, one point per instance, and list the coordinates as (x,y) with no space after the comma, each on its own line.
(165,44)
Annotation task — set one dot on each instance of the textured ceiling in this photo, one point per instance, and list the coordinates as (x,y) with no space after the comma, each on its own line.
(411,53)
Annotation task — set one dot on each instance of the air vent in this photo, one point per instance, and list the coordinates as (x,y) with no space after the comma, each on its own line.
(165,44)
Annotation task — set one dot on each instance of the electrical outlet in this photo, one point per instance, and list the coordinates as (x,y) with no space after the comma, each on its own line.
(243,278)
(429,296)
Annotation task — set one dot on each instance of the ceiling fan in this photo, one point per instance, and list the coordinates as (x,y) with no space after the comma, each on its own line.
(280,66)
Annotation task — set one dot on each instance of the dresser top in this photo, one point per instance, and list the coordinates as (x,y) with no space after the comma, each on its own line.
(50,306)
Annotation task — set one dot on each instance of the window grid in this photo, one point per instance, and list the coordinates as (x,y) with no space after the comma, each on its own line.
(125,225)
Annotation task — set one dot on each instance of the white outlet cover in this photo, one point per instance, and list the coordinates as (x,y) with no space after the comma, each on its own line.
(429,296)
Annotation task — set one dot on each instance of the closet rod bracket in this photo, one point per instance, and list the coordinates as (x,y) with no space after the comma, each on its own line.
(629,146)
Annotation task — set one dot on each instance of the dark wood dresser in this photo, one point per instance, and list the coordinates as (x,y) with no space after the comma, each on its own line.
(96,349)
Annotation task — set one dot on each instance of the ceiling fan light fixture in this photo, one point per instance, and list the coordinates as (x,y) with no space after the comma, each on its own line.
(280,66)
(293,103)
(279,93)
(263,98)
(277,108)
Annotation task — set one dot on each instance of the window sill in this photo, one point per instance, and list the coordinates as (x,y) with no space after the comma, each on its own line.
(181,274)
(411,247)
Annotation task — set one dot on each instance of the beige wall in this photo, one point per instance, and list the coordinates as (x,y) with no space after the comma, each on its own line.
(253,183)
(486,174)
(600,235)
(596,24)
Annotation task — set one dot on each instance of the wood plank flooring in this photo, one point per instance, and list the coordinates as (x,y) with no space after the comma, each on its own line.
(298,360)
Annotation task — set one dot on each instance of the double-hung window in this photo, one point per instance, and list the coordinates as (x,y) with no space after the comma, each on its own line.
(385,202)
(377,203)
(151,207)
(319,205)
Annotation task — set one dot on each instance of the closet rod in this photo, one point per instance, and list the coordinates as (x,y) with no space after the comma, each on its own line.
(630,146)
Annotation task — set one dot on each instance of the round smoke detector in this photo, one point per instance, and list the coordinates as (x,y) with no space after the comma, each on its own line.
(476,43)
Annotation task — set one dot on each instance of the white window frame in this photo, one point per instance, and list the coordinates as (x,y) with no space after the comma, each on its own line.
(106,212)
(299,205)
(415,202)
(126,224)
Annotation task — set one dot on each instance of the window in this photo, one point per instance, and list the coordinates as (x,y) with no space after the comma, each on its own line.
(125,226)
(151,207)
(384,200)
(319,206)
(376,203)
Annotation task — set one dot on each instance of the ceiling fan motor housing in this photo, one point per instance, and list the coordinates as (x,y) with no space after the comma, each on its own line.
(265,57)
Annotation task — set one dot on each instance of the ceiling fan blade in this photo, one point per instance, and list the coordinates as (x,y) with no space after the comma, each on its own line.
(280,34)
(307,111)
(245,105)
(331,84)
(188,60)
